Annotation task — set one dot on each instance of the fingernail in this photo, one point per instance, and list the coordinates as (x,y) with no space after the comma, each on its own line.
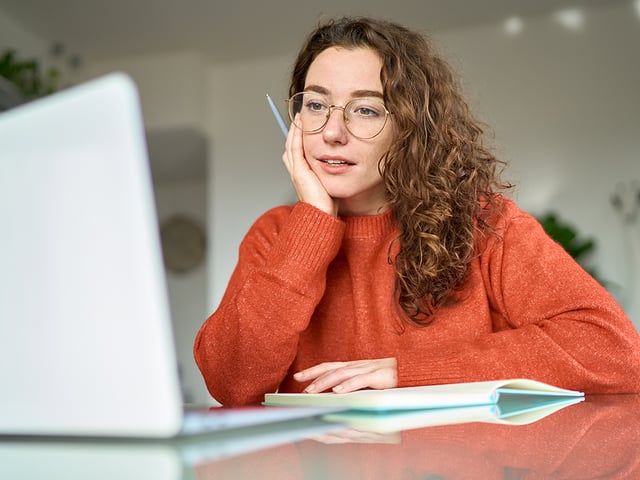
(338,388)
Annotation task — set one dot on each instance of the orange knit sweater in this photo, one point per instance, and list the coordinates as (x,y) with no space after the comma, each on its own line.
(310,288)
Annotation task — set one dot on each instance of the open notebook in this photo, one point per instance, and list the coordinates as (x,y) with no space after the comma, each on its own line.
(86,343)
(429,396)
(514,401)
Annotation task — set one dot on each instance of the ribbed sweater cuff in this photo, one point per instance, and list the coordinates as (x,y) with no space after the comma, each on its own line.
(438,370)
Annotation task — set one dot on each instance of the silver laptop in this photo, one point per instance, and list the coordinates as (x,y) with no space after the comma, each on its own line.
(86,346)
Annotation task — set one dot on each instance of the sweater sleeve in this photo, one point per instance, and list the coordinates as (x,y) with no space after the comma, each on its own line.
(245,348)
(551,321)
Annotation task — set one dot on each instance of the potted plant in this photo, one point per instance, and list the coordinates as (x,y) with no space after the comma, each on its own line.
(24,80)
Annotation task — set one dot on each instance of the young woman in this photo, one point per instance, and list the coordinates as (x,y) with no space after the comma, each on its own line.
(401,264)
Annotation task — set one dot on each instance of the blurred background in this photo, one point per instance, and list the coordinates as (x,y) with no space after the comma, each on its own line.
(556,80)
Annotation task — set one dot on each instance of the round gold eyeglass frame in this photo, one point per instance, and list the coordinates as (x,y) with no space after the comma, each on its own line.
(290,101)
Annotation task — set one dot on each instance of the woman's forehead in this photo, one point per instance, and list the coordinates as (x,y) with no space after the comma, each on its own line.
(345,72)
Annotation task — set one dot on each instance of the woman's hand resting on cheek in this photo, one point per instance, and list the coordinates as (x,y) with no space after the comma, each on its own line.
(306,183)
(343,377)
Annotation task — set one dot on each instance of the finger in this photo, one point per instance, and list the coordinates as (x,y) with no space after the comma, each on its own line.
(340,379)
(379,374)
(287,156)
(314,372)
(296,151)
(351,376)
(358,382)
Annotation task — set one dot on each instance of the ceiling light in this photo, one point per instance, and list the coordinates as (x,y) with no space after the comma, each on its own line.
(514,25)
(571,18)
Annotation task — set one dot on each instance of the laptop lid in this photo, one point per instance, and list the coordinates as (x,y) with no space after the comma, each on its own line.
(86,345)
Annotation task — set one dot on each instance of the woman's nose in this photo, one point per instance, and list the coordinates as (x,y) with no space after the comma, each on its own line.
(335,130)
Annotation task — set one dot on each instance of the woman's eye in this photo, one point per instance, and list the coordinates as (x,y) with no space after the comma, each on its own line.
(316,106)
(365,111)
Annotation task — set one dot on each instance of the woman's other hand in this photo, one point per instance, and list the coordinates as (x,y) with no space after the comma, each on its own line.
(343,377)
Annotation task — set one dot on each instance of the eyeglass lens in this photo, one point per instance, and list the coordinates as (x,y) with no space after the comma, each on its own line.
(363,117)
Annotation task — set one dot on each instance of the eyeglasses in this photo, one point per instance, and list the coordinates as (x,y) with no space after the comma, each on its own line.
(364,117)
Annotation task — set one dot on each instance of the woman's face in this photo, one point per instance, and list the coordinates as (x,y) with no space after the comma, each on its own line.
(346,165)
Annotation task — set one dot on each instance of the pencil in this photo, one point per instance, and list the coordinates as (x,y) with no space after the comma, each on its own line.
(278,116)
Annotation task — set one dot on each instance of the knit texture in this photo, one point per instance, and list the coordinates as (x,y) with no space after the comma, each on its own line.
(311,288)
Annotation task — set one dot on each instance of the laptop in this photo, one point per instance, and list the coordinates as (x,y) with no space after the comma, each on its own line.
(86,342)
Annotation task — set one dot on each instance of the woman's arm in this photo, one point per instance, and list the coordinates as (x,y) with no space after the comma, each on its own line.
(245,348)
(552,322)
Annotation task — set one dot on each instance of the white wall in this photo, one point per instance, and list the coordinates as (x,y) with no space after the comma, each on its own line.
(247,175)
(171,86)
(564,106)
(187,290)
(17,36)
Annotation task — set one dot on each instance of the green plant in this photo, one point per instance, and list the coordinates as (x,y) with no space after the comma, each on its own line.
(567,236)
(27,76)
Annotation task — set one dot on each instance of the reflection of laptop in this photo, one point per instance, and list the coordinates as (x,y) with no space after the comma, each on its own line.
(183,458)
(94,460)
(86,345)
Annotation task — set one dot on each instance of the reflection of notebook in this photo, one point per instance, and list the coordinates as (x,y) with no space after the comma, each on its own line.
(512,410)
(86,345)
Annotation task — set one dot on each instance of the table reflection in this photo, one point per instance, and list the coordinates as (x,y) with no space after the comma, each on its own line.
(598,438)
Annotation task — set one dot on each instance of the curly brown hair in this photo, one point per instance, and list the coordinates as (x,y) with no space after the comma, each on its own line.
(441,181)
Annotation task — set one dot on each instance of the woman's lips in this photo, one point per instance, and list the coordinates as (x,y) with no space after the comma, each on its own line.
(334,161)
(335,165)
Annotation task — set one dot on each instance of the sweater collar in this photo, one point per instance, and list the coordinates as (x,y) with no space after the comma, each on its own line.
(369,226)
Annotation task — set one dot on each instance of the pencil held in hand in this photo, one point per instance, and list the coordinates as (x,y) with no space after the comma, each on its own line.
(278,116)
